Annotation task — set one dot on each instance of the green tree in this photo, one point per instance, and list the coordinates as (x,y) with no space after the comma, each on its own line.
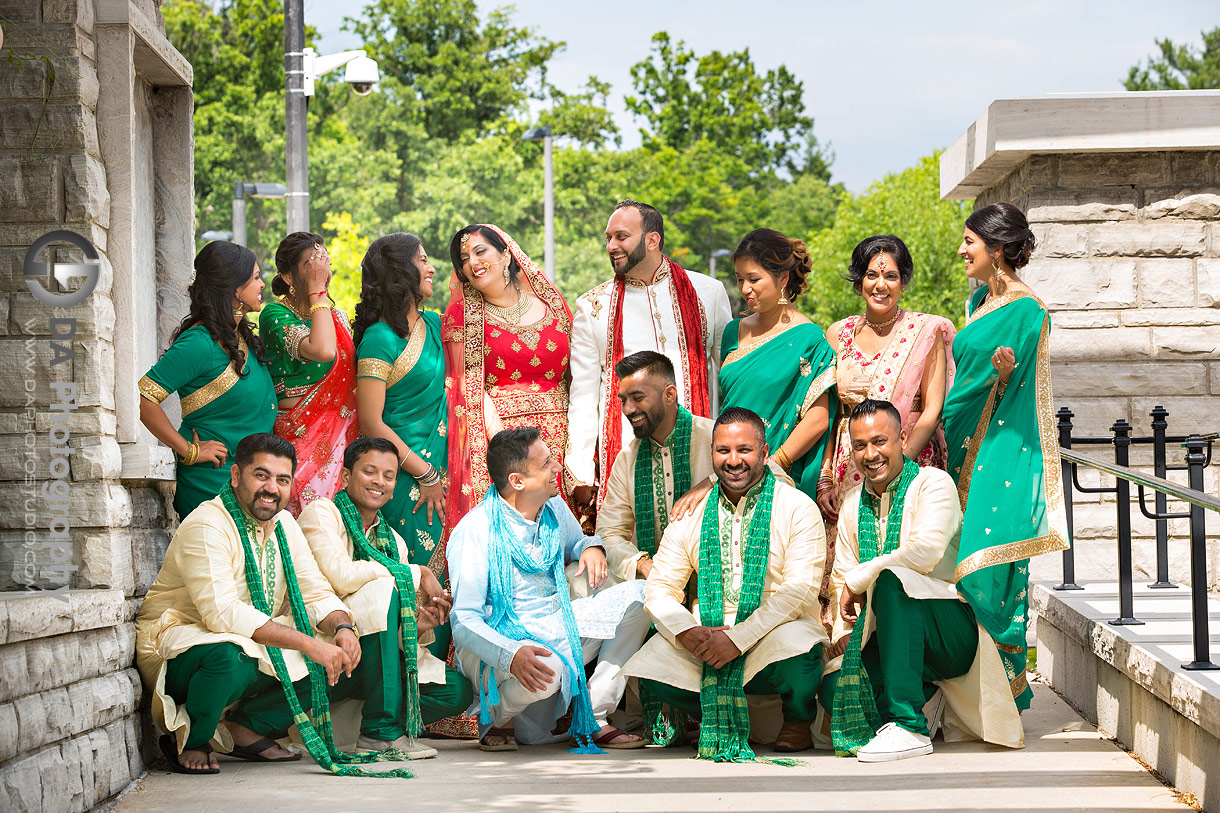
(759,118)
(1179,67)
(907,204)
(464,70)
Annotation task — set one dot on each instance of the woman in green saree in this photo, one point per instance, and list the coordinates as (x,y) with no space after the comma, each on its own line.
(215,364)
(1001,435)
(775,362)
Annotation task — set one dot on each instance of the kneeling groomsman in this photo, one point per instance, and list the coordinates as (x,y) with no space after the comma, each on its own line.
(396,604)
(895,557)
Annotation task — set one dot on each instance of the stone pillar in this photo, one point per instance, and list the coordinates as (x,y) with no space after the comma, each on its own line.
(103,150)
(1122,191)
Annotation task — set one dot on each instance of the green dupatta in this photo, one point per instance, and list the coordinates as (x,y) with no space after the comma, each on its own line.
(854,718)
(384,551)
(650,492)
(1003,444)
(725,730)
(780,379)
(321,745)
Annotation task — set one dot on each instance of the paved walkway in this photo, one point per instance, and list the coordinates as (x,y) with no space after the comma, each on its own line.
(1065,766)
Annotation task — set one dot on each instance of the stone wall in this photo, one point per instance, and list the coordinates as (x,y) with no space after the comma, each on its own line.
(1128,262)
(104,150)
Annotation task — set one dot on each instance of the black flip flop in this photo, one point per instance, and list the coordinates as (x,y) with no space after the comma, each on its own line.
(170,750)
(254,751)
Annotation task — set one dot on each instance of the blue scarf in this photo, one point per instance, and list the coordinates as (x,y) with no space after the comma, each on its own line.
(505,552)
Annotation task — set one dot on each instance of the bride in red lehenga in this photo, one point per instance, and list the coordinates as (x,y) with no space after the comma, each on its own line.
(507,333)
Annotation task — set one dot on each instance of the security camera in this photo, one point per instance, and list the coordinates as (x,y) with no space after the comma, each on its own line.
(361,73)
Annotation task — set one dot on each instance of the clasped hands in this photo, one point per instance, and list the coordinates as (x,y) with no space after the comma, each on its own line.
(709,644)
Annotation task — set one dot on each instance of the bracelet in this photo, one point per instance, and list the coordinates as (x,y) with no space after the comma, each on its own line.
(344,627)
(192,453)
(430,477)
(318,306)
(783,459)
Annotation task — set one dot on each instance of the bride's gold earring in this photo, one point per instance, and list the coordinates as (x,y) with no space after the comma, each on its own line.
(507,276)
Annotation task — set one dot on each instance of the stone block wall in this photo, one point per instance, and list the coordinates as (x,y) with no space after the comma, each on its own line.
(1128,262)
(75,154)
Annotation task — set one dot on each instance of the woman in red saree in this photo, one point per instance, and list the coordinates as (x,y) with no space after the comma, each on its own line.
(312,360)
(506,331)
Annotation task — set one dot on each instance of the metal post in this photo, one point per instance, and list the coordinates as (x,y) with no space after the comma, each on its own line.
(239,213)
(1069,555)
(1161,504)
(1195,462)
(295,110)
(549,184)
(1122,496)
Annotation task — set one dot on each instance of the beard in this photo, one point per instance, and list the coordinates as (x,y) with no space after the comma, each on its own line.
(259,511)
(652,419)
(634,258)
(752,474)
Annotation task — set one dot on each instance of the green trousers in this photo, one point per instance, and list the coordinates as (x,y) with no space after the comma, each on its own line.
(795,680)
(379,680)
(915,642)
(205,679)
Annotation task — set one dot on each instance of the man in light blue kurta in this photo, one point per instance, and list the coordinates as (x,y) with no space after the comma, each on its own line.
(526,683)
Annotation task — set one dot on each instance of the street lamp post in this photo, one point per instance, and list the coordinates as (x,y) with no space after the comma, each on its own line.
(543,134)
(301,67)
(718,254)
(241,191)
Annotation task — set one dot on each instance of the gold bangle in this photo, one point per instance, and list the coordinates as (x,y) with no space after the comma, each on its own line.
(192,454)
(783,459)
(318,306)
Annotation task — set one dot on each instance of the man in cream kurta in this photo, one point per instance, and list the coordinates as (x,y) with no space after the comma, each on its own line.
(649,394)
(651,320)
(783,638)
(201,645)
(919,634)
(370,467)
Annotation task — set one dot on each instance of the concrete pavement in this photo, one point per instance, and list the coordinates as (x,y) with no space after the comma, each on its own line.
(1065,766)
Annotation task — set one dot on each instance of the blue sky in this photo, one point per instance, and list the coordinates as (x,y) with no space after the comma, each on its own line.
(886,82)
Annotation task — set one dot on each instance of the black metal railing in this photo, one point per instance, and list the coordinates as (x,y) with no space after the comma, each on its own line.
(1198,457)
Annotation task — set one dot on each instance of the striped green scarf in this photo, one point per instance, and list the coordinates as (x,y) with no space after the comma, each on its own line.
(321,746)
(384,551)
(725,730)
(855,719)
(649,528)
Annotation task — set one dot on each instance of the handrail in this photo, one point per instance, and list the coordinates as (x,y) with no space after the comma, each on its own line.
(1149,480)
(1198,457)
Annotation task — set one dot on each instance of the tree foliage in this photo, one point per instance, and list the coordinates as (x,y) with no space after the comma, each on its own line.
(1179,67)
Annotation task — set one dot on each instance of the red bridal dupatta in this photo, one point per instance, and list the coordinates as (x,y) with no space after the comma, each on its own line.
(322,423)
(533,388)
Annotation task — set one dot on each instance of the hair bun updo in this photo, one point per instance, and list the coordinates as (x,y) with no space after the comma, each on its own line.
(1003,226)
(778,254)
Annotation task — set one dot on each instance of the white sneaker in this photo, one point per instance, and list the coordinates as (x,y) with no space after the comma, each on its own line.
(934,711)
(894,742)
(413,748)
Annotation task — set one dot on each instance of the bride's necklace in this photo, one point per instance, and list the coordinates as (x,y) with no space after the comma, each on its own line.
(513,313)
(880,326)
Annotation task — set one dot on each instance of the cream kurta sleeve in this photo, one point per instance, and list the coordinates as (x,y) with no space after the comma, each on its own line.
(616,519)
(207,560)
(846,557)
(801,547)
(584,408)
(665,591)
(323,529)
(320,599)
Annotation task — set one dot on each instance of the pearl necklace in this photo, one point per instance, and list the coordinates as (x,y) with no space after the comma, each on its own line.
(513,313)
(880,326)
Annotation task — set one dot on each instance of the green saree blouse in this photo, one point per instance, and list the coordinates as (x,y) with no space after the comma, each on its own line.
(217,403)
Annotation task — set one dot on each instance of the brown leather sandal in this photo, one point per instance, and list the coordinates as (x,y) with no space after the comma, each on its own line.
(794,737)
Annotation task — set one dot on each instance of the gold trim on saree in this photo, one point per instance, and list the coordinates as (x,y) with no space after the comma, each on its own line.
(743,350)
(1056,537)
(373,368)
(410,354)
(997,303)
(152,390)
(824,381)
(215,388)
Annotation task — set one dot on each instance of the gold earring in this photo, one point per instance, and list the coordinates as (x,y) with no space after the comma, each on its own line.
(507,276)
(784,318)
(292,292)
(239,311)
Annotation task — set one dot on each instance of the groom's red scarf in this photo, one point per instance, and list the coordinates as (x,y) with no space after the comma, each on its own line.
(695,366)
